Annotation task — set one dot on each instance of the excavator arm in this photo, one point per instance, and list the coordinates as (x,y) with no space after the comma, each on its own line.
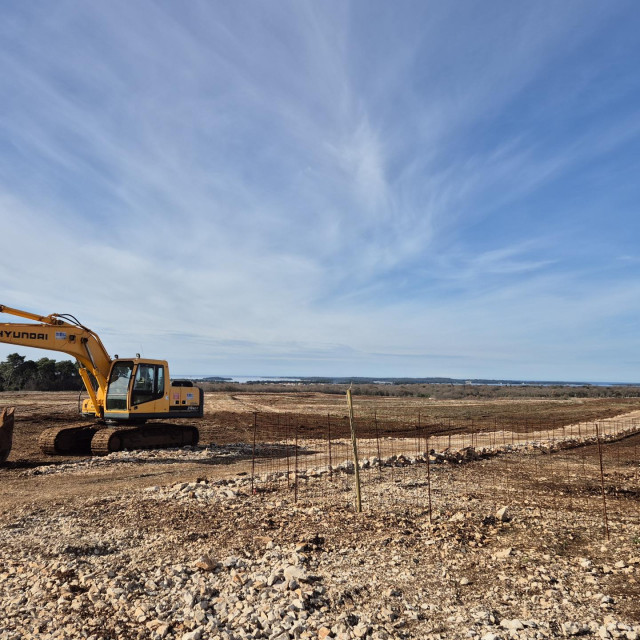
(63,333)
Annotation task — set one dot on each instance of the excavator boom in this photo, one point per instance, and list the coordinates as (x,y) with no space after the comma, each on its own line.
(63,333)
(59,333)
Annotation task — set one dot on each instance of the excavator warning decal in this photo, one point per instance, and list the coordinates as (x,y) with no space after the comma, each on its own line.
(61,335)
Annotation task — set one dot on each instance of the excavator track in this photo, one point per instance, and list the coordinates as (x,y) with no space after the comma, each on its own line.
(61,441)
(150,436)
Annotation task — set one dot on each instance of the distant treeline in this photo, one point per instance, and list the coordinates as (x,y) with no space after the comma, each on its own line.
(19,374)
(440,391)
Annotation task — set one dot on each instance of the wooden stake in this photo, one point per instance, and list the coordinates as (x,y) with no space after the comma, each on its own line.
(604,498)
(429,481)
(253,452)
(354,444)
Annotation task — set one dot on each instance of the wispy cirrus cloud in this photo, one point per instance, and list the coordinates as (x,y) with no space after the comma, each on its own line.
(351,180)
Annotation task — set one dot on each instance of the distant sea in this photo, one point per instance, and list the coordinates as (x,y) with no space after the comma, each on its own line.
(242,379)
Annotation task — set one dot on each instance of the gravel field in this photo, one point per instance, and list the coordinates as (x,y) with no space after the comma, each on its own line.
(173,544)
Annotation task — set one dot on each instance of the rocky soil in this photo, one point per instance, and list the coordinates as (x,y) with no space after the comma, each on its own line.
(183,544)
(206,558)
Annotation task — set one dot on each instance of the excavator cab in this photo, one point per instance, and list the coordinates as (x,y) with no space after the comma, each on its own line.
(131,384)
(140,389)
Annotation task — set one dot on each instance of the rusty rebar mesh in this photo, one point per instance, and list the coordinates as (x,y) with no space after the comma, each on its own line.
(416,464)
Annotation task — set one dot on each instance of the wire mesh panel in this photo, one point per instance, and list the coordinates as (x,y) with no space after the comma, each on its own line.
(413,463)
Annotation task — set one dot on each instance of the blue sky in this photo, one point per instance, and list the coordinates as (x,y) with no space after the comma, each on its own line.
(316,188)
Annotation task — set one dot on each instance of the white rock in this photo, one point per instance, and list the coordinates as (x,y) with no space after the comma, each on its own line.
(512,625)
(503,514)
(295,572)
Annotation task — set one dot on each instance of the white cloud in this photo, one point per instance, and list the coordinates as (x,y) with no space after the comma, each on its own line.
(307,184)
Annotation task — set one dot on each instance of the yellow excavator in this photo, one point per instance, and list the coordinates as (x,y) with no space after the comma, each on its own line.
(122,391)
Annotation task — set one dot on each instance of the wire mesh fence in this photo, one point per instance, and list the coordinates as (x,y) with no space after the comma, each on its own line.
(588,471)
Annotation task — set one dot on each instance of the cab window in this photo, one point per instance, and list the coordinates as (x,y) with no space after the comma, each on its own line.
(148,384)
(119,386)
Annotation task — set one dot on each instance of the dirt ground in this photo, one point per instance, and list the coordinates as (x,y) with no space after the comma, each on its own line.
(230,418)
(546,571)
